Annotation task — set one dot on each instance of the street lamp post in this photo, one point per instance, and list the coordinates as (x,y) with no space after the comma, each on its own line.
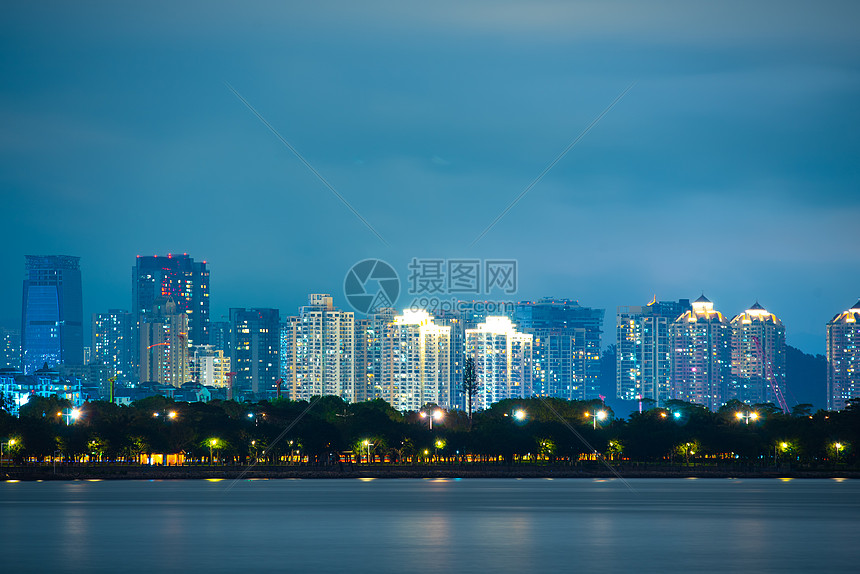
(367,445)
(213,442)
(747,416)
(838,446)
(10,443)
(597,415)
(777,448)
(437,414)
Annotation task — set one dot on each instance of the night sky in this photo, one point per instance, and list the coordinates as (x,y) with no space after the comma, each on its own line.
(731,168)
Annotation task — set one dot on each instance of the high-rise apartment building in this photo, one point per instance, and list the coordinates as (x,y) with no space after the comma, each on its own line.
(457,321)
(320,343)
(415,366)
(843,358)
(177,277)
(164,345)
(256,348)
(758,356)
(10,349)
(209,366)
(566,347)
(372,333)
(643,360)
(113,344)
(219,336)
(52,313)
(700,340)
(503,361)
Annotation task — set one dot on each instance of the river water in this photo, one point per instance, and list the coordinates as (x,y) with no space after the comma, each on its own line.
(436,525)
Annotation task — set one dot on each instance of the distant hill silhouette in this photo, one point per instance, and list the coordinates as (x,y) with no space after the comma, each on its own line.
(806,378)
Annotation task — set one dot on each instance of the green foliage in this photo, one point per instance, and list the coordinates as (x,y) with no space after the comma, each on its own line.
(551,430)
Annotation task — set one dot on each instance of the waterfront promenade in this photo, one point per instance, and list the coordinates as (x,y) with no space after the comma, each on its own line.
(418,471)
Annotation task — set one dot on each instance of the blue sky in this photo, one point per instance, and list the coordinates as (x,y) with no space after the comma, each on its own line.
(731,168)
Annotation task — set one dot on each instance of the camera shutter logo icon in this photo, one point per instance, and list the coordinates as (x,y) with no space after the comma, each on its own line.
(371,285)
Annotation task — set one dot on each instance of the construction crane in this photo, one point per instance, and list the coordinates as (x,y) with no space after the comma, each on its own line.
(769,373)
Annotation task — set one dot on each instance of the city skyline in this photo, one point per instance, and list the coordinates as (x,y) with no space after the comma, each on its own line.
(608,323)
(567,337)
(728,168)
(516,253)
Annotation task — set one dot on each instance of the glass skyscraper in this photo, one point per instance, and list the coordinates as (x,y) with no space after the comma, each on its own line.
(256,349)
(175,277)
(52,313)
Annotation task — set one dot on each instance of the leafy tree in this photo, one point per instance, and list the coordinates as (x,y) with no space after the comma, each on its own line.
(470,383)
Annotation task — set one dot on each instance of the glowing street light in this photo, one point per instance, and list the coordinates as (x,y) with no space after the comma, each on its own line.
(367,444)
(597,416)
(438,444)
(747,416)
(437,414)
(213,442)
(520,415)
(838,446)
(10,443)
(779,447)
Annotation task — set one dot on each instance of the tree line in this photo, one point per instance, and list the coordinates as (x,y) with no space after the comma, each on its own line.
(538,430)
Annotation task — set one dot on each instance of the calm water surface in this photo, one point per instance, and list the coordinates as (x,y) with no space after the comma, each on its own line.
(674,525)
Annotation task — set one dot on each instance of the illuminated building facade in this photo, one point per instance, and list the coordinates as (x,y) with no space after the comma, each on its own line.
(113,344)
(503,361)
(52,330)
(415,362)
(17,388)
(843,358)
(457,321)
(700,340)
(256,350)
(164,345)
(320,342)
(757,368)
(370,334)
(566,347)
(179,278)
(10,349)
(643,367)
(219,336)
(209,366)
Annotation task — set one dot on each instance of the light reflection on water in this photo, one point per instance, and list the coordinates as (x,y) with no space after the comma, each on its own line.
(429,526)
